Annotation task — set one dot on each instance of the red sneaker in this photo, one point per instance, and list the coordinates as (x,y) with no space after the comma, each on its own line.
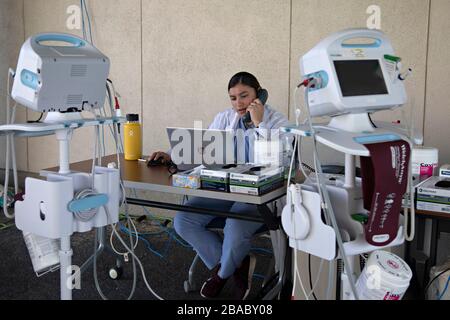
(212,286)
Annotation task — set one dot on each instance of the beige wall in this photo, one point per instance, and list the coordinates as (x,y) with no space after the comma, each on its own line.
(192,48)
(171,60)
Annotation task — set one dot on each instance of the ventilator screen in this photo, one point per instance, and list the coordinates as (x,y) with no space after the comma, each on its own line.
(360,77)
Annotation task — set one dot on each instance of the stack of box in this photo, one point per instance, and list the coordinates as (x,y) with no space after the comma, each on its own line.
(257,180)
(417,182)
(217,177)
(433,198)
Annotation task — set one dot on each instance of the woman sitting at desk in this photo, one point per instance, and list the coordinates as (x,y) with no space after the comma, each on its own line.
(230,257)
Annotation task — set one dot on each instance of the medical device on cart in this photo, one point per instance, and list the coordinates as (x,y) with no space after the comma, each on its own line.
(62,75)
(348,76)
(55,77)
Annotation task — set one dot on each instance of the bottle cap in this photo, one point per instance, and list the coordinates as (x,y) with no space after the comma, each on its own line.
(132,117)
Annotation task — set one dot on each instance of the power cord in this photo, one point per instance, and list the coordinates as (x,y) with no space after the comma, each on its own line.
(89,214)
(310,277)
(38,120)
(84,10)
(431,281)
(324,196)
(4,226)
(370,119)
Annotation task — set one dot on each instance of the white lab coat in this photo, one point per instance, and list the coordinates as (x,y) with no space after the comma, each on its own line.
(272,120)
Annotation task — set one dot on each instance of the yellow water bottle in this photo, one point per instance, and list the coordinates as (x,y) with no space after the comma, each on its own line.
(132,138)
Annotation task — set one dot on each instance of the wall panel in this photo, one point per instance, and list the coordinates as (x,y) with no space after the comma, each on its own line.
(192,48)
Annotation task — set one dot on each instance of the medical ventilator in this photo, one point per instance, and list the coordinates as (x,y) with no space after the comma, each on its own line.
(58,71)
(347,76)
(62,75)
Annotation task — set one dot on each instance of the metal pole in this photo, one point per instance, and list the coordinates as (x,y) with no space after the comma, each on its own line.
(350,171)
(65,258)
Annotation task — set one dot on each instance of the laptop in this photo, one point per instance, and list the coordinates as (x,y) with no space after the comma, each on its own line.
(191,148)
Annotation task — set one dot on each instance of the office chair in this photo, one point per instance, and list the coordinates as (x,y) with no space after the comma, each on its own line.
(217,225)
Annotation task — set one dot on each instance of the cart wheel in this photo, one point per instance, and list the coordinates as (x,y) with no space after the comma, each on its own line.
(188,287)
(115,273)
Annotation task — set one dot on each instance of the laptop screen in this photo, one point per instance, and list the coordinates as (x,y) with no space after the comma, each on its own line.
(201,146)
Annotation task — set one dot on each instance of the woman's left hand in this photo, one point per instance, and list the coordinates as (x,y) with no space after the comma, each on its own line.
(256,110)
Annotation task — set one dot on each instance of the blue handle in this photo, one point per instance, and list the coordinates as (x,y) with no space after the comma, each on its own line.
(60,37)
(375,44)
(377,138)
(90,202)
(29,79)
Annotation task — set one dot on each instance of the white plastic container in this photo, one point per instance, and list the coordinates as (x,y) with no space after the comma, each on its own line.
(44,253)
(425,161)
(385,277)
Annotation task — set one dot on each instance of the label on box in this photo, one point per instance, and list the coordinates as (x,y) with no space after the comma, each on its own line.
(444,173)
(257,176)
(437,207)
(427,169)
(244,190)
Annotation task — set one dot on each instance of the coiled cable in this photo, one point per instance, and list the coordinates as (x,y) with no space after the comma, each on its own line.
(88,214)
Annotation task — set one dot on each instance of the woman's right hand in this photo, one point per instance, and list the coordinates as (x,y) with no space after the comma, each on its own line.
(159,154)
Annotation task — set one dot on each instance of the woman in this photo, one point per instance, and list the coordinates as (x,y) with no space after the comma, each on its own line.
(230,257)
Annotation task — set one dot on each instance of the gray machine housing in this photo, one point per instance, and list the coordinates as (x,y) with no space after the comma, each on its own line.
(55,77)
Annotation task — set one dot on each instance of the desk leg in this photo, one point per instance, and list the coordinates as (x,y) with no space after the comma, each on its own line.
(283,286)
(438,225)
(418,259)
(433,250)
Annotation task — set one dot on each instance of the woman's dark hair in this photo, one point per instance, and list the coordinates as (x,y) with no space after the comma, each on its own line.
(244,78)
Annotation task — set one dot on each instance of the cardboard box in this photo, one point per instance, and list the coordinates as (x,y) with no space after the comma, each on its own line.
(188,179)
(432,198)
(217,177)
(271,184)
(256,176)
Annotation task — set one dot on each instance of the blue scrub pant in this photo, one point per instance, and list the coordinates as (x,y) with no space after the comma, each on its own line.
(208,244)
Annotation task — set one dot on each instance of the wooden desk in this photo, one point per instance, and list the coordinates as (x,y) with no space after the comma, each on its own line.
(433,214)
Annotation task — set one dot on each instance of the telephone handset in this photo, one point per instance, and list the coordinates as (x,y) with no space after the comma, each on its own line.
(262,96)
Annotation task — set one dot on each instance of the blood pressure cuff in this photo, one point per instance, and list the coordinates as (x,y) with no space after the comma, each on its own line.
(384,181)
